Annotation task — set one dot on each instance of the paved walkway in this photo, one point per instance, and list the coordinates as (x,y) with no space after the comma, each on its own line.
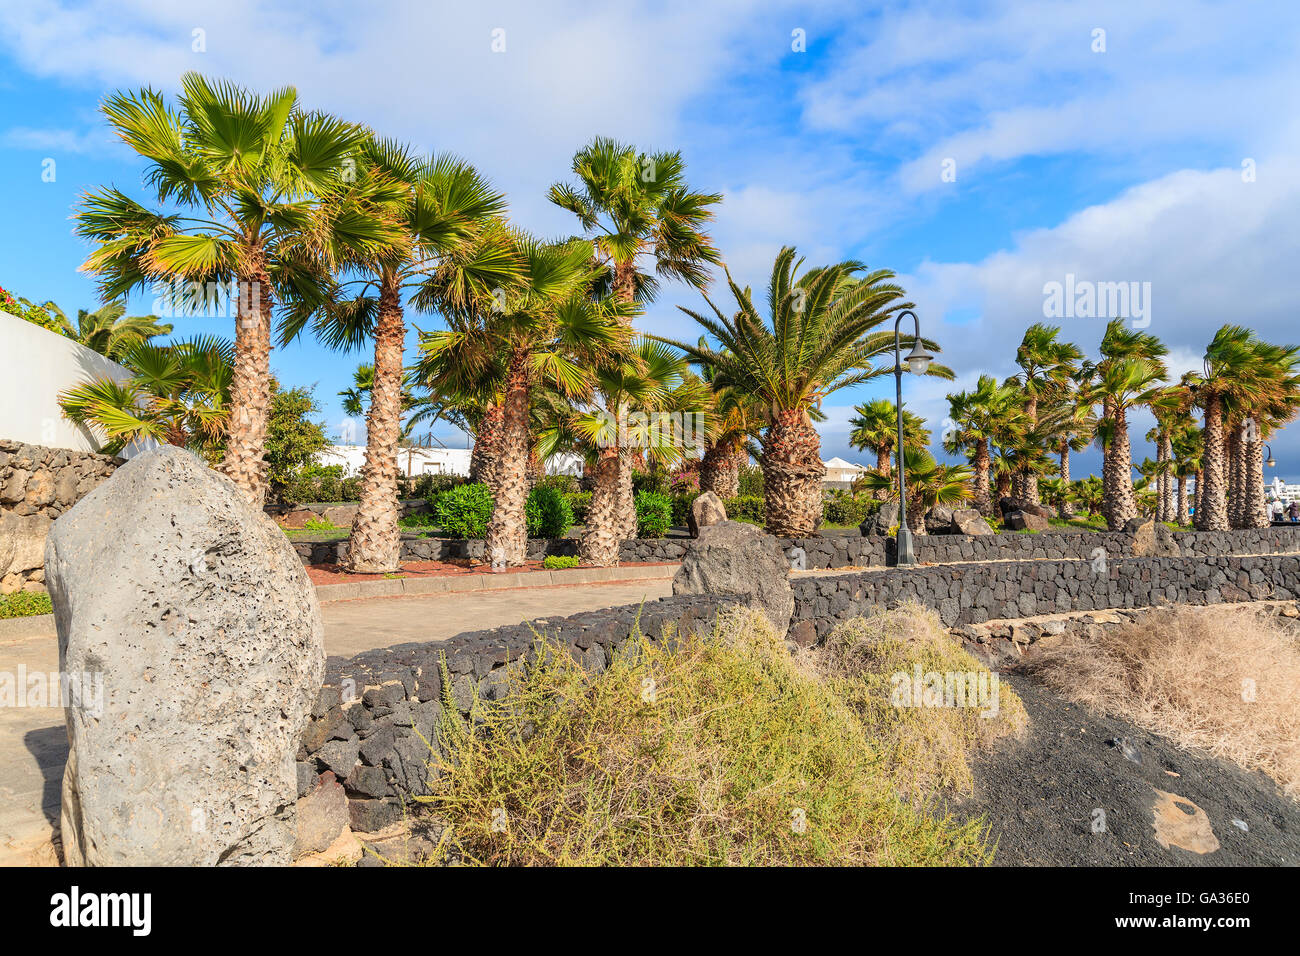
(34,746)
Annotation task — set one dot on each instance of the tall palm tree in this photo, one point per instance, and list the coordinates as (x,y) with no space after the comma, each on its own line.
(549,329)
(875,428)
(417,409)
(399,223)
(652,377)
(109,330)
(1045,366)
(1233,378)
(244,171)
(1078,426)
(1187,464)
(1127,376)
(821,335)
(178,394)
(987,415)
(638,208)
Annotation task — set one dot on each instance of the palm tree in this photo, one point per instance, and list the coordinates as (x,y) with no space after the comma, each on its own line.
(178,394)
(1045,366)
(1127,376)
(416,409)
(1187,464)
(638,206)
(652,377)
(107,331)
(928,484)
(1089,492)
(820,337)
(243,170)
(548,330)
(875,427)
(1233,377)
(987,415)
(399,222)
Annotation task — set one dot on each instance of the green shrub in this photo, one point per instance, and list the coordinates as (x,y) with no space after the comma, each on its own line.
(319,524)
(555,562)
(751,481)
(548,513)
(565,484)
(745,508)
(421,519)
(682,502)
(580,503)
(654,514)
(463,511)
(842,508)
(428,486)
(25,604)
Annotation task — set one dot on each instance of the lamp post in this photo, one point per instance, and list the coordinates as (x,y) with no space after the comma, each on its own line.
(918,360)
(1270,461)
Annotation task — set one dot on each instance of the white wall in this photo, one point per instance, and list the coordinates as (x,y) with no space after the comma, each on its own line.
(35,366)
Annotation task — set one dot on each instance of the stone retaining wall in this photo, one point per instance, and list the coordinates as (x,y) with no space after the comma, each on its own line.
(870,551)
(373,709)
(637,550)
(37,484)
(972,593)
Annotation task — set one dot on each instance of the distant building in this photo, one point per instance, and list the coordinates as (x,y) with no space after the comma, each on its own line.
(841,473)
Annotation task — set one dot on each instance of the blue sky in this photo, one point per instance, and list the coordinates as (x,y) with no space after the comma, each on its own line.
(1161,150)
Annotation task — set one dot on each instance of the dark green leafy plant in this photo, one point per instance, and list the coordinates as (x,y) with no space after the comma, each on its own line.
(654,514)
(548,513)
(556,562)
(463,511)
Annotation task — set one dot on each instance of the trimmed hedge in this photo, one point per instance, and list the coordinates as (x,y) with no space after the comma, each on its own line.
(463,511)
(548,513)
(654,514)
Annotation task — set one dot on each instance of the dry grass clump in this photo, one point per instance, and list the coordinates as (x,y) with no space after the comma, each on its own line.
(1225,681)
(691,751)
(878,663)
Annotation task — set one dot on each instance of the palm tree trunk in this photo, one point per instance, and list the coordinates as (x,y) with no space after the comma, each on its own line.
(1167,477)
(1029,479)
(1196,491)
(250,383)
(1066,508)
(375,543)
(1117,474)
(600,542)
(485,459)
(1256,508)
(1211,504)
(720,471)
(1235,487)
(1181,514)
(981,464)
(507,531)
(625,507)
(792,475)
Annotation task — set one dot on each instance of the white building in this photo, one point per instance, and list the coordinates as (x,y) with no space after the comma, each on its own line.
(39,365)
(839,470)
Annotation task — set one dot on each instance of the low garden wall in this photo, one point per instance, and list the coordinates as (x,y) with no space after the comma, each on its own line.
(37,484)
(870,551)
(977,592)
(376,711)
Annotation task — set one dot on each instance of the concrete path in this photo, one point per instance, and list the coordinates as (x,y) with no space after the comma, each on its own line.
(34,745)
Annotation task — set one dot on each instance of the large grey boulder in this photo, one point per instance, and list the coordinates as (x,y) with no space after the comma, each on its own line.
(1007,505)
(938,520)
(194,611)
(740,559)
(1025,521)
(969,521)
(1151,539)
(706,510)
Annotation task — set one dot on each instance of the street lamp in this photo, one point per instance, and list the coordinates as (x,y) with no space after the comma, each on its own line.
(918,360)
(1270,461)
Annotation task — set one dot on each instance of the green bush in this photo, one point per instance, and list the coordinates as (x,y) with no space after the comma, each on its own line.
(421,519)
(555,562)
(463,511)
(319,524)
(751,481)
(842,508)
(428,486)
(580,503)
(25,604)
(565,484)
(654,514)
(682,502)
(548,513)
(745,508)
